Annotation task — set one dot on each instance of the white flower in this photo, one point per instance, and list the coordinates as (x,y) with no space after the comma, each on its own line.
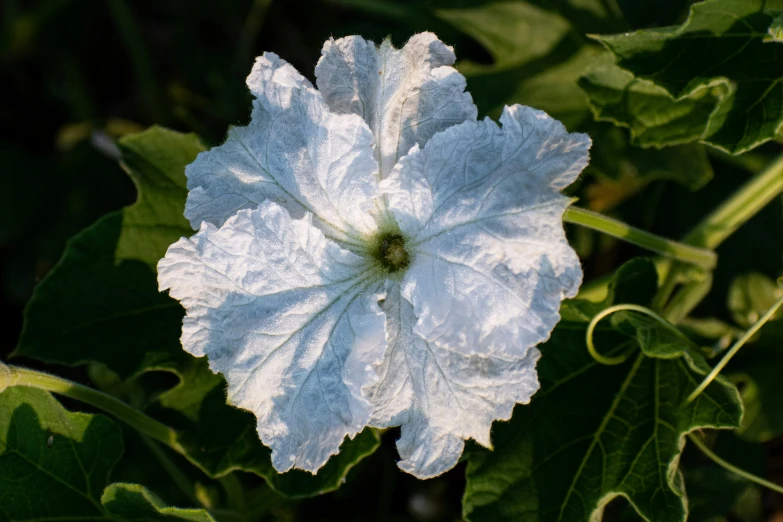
(368,254)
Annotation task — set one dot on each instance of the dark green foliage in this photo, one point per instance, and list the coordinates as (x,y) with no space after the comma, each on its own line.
(595,432)
(54,465)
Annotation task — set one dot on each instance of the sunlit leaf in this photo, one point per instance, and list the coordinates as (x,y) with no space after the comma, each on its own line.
(134,502)
(721,50)
(653,116)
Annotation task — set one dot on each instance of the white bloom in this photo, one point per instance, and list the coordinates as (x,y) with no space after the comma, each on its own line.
(370,254)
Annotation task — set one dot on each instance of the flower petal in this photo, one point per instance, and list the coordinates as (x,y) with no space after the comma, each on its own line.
(290,319)
(294,152)
(440,397)
(405,95)
(481,211)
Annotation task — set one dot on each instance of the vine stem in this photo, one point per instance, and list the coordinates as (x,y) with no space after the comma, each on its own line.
(734,349)
(724,221)
(739,208)
(17,376)
(701,257)
(731,467)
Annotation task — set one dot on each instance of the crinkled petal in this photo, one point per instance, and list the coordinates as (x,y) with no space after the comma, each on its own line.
(481,209)
(405,95)
(441,397)
(294,152)
(290,319)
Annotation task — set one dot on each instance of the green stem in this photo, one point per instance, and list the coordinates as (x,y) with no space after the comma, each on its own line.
(739,208)
(235,496)
(731,467)
(697,256)
(16,376)
(688,297)
(724,221)
(734,349)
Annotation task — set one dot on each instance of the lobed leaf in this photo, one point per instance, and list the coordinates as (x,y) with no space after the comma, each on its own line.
(720,51)
(597,432)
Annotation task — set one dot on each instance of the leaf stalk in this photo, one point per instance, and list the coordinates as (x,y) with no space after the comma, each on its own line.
(18,376)
(739,208)
(694,255)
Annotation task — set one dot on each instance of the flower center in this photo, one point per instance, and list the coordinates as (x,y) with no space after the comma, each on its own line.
(390,252)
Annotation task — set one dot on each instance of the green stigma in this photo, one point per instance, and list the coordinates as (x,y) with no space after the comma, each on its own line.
(390,252)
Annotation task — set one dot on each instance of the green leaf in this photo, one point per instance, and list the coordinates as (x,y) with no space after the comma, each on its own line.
(536,60)
(653,116)
(137,503)
(103,292)
(514,33)
(101,304)
(586,16)
(596,432)
(720,48)
(155,160)
(54,464)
